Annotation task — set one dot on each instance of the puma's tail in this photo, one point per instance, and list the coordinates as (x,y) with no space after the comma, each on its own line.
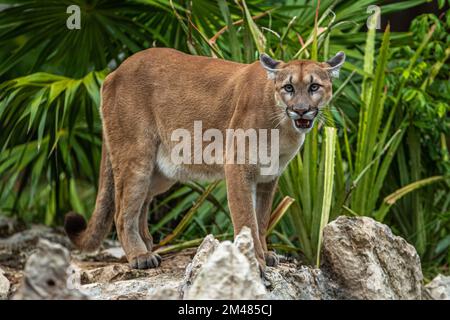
(89,236)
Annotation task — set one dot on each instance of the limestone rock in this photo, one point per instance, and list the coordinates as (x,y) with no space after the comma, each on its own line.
(110,273)
(117,281)
(288,282)
(116,253)
(15,250)
(228,275)
(8,226)
(105,253)
(361,259)
(45,274)
(368,262)
(156,288)
(438,288)
(204,251)
(4,286)
(244,243)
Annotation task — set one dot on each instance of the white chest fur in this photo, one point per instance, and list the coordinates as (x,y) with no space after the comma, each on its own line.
(288,145)
(288,149)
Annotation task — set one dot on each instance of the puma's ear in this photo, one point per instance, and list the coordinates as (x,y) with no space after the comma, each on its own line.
(269,64)
(335,64)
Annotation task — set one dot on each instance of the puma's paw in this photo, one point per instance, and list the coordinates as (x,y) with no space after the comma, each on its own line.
(272,259)
(146,261)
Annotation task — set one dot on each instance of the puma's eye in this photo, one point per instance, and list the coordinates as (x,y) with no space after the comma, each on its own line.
(289,88)
(314,87)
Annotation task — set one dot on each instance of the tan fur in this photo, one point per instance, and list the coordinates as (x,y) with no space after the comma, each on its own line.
(159,90)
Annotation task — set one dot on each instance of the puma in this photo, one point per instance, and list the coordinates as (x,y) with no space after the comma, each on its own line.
(159,90)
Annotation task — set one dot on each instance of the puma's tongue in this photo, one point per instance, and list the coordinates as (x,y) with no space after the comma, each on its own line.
(303,123)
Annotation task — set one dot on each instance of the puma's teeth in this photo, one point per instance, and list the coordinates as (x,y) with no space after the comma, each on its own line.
(303,123)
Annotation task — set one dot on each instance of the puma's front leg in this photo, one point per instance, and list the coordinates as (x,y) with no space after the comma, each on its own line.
(264,199)
(241,188)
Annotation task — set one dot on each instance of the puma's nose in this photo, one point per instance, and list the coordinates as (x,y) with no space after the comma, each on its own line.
(297,112)
(301,109)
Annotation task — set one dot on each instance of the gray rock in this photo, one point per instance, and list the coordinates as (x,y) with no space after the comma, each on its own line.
(16,249)
(223,273)
(156,288)
(438,288)
(368,262)
(4,286)
(287,282)
(110,273)
(117,281)
(361,259)
(45,274)
(227,274)
(108,254)
(114,253)
(8,226)
(244,243)
(204,251)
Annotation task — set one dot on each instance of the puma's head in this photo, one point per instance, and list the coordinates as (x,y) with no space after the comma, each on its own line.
(302,87)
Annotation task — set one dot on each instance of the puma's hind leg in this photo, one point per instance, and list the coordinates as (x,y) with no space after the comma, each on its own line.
(130,199)
(129,131)
(132,176)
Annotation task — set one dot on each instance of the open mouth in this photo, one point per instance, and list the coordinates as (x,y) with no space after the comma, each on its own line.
(303,123)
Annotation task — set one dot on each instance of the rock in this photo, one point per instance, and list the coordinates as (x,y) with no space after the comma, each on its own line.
(117,281)
(110,273)
(45,274)
(438,288)
(15,250)
(157,288)
(8,226)
(287,282)
(14,277)
(283,282)
(244,243)
(368,262)
(4,286)
(116,253)
(228,275)
(74,276)
(204,251)
(108,252)
(361,259)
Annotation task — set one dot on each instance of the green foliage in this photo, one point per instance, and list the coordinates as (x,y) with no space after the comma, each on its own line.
(35,32)
(372,137)
(423,96)
(50,139)
(314,194)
